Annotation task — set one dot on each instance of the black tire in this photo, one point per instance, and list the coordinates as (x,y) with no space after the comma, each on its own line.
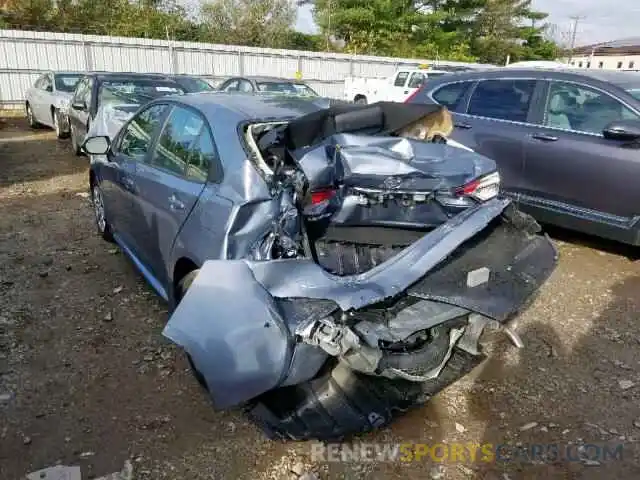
(343,403)
(57,126)
(360,100)
(183,285)
(103,226)
(31,119)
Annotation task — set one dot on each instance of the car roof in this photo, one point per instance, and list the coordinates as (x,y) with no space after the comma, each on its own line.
(66,72)
(620,78)
(247,105)
(125,75)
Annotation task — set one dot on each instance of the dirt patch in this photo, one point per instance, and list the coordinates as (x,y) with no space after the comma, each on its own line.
(87,379)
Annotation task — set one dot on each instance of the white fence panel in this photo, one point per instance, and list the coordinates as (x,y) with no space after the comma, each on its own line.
(24,54)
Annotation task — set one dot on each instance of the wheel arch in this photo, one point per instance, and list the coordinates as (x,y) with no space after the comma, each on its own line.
(183,266)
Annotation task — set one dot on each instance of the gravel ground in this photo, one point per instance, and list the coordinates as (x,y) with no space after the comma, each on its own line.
(87,379)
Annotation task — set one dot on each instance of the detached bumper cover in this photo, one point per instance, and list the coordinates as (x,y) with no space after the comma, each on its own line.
(241,340)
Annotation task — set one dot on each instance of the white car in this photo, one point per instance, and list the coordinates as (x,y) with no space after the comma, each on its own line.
(396,88)
(47,101)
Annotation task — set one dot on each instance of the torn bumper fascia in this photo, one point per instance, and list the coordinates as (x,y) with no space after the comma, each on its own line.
(232,323)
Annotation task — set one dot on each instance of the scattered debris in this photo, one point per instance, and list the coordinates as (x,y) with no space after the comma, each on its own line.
(114,251)
(590,463)
(544,429)
(466,470)
(87,454)
(26,440)
(5,397)
(82,194)
(117,290)
(564,432)
(44,274)
(298,468)
(636,423)
(528,426)
(108,317)
(460,428)
(59,472)
(621,365)
(626,384)
(437,472)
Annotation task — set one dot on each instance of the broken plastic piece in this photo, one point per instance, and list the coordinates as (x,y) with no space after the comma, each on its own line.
(478,277)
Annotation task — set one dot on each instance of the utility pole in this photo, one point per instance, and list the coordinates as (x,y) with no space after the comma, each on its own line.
(576,19)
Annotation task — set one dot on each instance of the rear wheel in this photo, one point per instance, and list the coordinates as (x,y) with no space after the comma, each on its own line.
(30,117)
(360,100)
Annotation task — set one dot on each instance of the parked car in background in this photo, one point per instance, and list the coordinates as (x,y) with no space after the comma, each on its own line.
(396,88)
(257,84)
(191,83)
(119,93)
(47,101)
(324,289)
(566,142)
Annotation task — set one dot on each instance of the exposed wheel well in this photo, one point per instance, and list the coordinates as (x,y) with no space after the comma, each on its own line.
(183,266)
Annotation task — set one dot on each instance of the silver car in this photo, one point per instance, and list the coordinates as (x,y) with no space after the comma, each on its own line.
(47,101)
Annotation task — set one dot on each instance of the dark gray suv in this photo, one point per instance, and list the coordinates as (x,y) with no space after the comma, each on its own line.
(566,142)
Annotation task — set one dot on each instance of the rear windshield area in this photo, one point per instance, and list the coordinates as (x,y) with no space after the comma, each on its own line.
(135,90)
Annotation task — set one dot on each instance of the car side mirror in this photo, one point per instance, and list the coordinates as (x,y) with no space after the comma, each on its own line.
(97,145)
(622,130)
(78,105)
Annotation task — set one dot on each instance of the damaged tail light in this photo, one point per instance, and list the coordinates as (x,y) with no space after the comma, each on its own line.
(323,195)
(481,189)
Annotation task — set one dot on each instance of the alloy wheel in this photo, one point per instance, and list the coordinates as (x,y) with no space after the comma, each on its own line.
(98,207)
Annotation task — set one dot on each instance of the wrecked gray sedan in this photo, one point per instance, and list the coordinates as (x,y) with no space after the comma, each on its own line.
(326,269)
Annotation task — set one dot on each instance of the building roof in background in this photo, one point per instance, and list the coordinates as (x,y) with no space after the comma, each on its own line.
(623,46)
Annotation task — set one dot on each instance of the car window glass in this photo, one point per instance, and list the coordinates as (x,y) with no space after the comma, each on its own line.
(232,86)
(416,81)
(401,79)
(201,157)
(66,83)
(245,86)
(576,107)
(451,95)
(136,138)
(86,94)
(46,83)
(39,82)
(177,139)
(502,99)
(79,92)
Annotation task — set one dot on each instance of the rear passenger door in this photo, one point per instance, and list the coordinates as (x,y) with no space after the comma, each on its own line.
(570,167)
(171,182)
(495,123)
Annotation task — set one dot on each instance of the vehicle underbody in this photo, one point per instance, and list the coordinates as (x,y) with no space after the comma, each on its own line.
(381,257)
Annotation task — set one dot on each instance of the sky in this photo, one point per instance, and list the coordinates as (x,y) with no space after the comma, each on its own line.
(601,20)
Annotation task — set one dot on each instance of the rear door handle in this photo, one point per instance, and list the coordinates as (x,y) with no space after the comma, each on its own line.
(464,126)
(544,137)
(175,203)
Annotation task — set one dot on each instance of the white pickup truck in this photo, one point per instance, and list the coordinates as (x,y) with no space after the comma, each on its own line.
(396,88)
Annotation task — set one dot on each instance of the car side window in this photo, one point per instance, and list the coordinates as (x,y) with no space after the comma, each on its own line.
(177,140)
(505,99)
(245,86)
(202,157)
(79,91)
(231,86)
(452,94)
(136,139)
(416,81)
(46,85)
(581,108)
(39,82)
(401,79)
(86,96)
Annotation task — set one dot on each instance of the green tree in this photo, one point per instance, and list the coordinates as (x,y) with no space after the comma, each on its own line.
(260,23)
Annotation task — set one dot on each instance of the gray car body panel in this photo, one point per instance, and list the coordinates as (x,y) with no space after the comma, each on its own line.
(230,325)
